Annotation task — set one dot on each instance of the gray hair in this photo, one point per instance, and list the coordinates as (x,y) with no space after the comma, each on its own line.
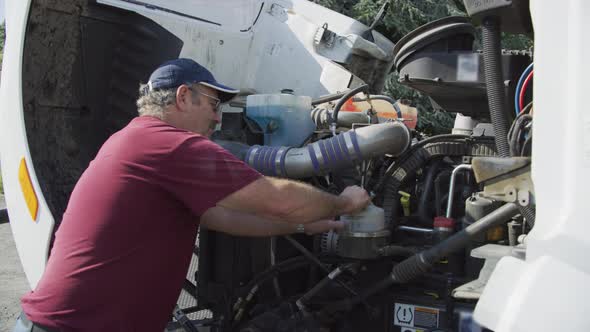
(154,102)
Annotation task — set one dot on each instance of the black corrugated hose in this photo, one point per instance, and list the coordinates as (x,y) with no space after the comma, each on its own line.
(420,155)
(492,57)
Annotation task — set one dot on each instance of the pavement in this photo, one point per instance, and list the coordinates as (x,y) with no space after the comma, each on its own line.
(3,213)
(13,283)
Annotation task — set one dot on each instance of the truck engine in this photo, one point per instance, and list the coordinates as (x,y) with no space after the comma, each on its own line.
(445,208)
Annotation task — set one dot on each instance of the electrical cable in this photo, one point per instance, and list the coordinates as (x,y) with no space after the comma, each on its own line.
(515,132)
(252,287)
(523,90)
(312,258)
(527,142)
(523,76)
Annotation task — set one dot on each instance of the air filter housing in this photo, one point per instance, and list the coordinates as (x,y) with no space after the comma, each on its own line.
(438,60)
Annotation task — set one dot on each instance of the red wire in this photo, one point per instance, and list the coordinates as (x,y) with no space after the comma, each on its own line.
(523,90)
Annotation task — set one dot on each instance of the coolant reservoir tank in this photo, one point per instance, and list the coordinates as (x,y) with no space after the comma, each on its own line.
(284,118)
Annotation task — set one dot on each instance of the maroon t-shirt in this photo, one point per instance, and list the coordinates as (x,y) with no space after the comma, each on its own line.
(125,242)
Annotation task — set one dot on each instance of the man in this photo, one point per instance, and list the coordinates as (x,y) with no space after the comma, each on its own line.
(123,248)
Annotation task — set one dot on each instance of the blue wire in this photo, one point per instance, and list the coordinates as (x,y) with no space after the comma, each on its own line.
(525,73)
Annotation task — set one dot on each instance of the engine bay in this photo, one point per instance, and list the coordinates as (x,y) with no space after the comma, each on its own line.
(445,208)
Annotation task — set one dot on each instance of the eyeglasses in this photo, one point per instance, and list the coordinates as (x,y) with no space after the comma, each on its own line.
(215,99)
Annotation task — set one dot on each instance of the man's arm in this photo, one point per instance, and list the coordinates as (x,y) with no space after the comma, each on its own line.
(244,224)
(294,202)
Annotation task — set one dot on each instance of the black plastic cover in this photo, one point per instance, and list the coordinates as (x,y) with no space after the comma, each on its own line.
(456,82)
(455,33)
(438,60)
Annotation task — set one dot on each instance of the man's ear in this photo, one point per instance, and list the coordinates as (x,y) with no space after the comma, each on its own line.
(183,97)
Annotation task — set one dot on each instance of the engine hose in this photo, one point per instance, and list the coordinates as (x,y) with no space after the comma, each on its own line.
(423,211)
(304,300)
(529,214)
(252,287)
(410,152)
(323,118)
(323,156)
(289,264)
(392,101)
(395,250)
(419,159)
(239,150)
(341,102)
(316,261)
(286,265)
(306,253)
(420,263)
(492,57)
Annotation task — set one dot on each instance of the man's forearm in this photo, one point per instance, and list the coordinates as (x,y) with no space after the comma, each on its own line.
(293,202)
(303,203)
(244,224)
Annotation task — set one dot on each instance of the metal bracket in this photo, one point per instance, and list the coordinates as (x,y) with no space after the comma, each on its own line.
(324,36)
(505,179)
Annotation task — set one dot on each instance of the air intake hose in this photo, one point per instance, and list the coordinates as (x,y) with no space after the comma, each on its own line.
(329,154)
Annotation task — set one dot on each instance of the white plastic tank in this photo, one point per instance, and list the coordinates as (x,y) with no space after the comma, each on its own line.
(284,118)
(371,219)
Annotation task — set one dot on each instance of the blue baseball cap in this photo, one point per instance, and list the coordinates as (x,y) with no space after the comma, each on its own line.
(174,73)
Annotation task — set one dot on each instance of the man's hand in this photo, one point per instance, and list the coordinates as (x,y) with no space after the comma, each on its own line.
(322,226)
(357,199)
